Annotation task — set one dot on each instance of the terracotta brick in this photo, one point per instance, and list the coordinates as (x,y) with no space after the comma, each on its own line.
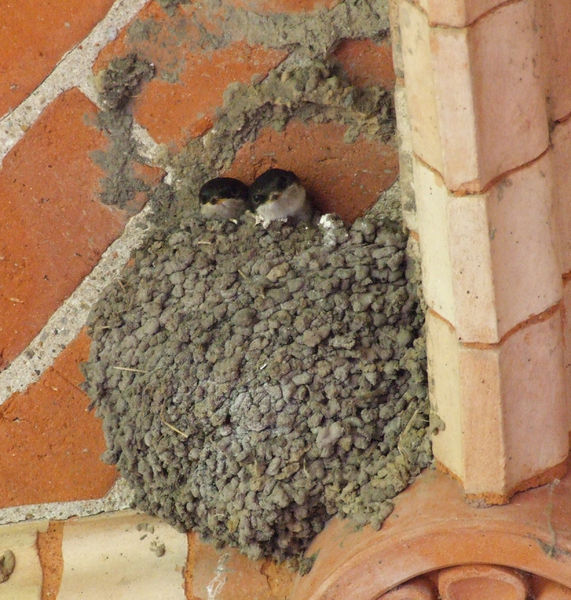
(53,228)
(280,579)
(227,575)
(512,119)
(431,528)
(492,238)
(507,440)
(519,227)
(452,92)
(476,249)
(49,443)
(567,343)
(122,556)
(34,38)
(25,582)
(51,559)
(419,588)
(561,153)
(367,63)
(158,37)
(495,439)
(543,589)
(284,6)
(343,178)
(556,36)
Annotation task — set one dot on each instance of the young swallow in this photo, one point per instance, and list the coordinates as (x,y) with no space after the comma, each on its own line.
(223,198)
(279,195)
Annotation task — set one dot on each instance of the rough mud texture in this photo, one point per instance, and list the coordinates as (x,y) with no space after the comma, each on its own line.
(313,91)
(116,86)
(253,382)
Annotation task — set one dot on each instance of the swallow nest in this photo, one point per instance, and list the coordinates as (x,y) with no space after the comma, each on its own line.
(255,382)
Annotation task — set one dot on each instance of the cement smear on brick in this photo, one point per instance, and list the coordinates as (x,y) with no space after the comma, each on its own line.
(253,382)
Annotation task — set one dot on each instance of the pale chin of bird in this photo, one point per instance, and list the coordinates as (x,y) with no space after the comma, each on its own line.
(229,208)
(292,202)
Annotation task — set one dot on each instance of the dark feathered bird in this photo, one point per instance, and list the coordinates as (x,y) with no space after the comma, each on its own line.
(223,198)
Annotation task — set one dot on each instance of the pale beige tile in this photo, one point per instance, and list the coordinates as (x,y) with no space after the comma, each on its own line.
(405,160)
(25,582)
(444,390)
(458,13)
(432,213)
(122,556)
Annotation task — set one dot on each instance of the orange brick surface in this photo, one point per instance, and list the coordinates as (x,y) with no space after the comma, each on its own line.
(51,559)
(343,178)
(34,36)
(367,63)
(186,109)
(53,228)
(49,443)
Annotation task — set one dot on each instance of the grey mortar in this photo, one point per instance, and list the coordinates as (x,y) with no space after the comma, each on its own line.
(313,91)
(253,383)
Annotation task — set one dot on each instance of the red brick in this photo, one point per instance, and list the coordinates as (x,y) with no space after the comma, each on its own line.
(35,35)
(49,443)
(53,228)
(165,34)
(232,575)
(367,63)
(342,178)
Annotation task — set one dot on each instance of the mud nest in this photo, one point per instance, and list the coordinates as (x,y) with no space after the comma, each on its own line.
(255,382)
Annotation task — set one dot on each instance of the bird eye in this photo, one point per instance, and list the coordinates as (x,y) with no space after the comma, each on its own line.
(258,198)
